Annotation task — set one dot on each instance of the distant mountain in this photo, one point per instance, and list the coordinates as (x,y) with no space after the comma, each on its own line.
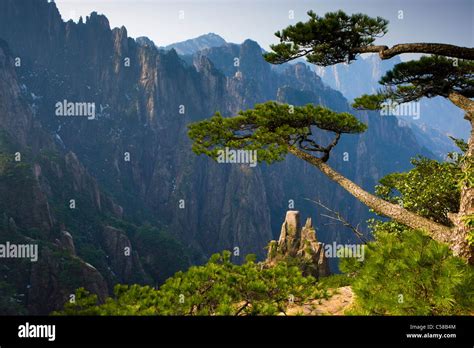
(434,140)
(199,43)
(360,77)
(145,41)
(438,116)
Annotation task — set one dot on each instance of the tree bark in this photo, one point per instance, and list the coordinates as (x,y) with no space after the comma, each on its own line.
(464,103)
(429,48)
(438,232)
(466,206)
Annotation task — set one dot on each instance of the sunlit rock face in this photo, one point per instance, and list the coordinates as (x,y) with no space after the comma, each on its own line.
(298,244)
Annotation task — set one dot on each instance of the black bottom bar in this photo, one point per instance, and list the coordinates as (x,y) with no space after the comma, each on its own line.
(289,331)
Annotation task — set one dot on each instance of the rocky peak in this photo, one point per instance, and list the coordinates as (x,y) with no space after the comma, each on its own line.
(290,233)
(99,20)
(145,41)
(299,244)
(199,43)
(66,242)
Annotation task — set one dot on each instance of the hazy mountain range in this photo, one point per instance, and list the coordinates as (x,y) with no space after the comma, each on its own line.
(438,118)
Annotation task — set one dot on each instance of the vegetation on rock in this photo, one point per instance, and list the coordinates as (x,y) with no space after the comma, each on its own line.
(217,288)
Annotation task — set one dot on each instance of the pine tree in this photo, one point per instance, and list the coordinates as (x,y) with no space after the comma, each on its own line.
(275,130)
(404,272)
(217,288)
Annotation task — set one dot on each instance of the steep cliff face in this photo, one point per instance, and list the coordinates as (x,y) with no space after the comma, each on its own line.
(27,176)
(359,77)
(143,109)
(45,188)
(123,258)
(56,276)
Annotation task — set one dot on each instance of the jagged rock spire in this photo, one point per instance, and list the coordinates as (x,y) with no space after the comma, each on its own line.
(299,244)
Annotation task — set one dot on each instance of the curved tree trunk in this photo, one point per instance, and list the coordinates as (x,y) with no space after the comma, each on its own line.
(429,48)
(437,231)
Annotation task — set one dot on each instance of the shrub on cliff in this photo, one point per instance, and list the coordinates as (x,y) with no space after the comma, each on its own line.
(217,288)
(407,273)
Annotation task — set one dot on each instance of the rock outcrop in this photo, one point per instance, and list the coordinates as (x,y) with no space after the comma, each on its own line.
(123,259)
(56,276)
(299,245)
(67,242)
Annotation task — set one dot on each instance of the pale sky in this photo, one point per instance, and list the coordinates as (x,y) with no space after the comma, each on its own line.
(236,20)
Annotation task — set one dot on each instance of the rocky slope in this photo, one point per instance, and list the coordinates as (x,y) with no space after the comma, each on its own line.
(27,180)
(339,302)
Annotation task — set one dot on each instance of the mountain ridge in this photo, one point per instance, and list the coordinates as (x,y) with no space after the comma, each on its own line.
(191,46)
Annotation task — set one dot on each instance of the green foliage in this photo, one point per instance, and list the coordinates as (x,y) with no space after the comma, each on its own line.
(408,273)
(405,272)
(335,281)
(430,189)
(269,129)
(17,174)
(468,220)
(460,143)
(84,303)
(334,38)
(466,176)
(430,76)
(369,102)
(217,288)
